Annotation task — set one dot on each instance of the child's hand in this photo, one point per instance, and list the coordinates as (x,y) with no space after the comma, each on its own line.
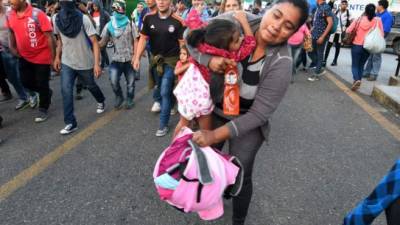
(240,16)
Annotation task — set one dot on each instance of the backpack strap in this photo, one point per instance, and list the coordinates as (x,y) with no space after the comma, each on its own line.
(35,16)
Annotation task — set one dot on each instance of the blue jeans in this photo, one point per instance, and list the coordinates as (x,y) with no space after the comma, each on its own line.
(373,65)
(317,55)
(163,93)
(68,77)
(11,68)
(359,57)
(116,69)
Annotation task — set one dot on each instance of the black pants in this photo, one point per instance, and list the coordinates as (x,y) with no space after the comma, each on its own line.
(5,88)
(245,148)
(336,39)
(393,213)
(36,77)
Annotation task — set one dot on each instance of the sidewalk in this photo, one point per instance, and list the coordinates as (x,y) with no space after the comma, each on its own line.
(343,69)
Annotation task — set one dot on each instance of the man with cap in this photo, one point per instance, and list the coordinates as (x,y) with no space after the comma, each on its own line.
(80,57)
(120,31)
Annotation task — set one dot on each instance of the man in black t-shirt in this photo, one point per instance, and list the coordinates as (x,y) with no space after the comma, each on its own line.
(164,30)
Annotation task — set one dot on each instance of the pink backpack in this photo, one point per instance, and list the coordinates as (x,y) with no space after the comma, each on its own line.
(203,176)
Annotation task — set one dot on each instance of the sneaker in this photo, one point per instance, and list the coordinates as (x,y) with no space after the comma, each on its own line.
(356,85)
(129,104)
(371,78)
(22,104)
(100,107)
(34,101)
(173,112)
(334,64)
(156,107)
(322,72)
(313,78)
(69,129)
(41,116)
(6,97)
(162,132)
(119,101)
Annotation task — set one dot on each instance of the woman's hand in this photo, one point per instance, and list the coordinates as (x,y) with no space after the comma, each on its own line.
(204,138)
(240,16)
(218,64)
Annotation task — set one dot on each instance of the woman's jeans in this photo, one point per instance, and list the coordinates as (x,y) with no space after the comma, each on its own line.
(359,57)
(163,92)
(116,69)
(10,63)
(68,77)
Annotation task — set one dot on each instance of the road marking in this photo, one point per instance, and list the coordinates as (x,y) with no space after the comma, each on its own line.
(374,113)
(38,167)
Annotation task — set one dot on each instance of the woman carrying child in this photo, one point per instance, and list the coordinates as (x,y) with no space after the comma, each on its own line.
(219,38)
(265,77)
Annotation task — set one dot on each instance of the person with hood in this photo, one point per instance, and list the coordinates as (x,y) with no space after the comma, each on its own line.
(80,57)
(120,31)
(359,55)
(137,15)
(101,18)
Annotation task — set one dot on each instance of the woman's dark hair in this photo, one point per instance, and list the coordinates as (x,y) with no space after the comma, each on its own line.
(370,11)
(218,33)
(302,5)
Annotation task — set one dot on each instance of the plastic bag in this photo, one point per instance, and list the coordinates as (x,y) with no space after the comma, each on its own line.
(374,42)
(193,94)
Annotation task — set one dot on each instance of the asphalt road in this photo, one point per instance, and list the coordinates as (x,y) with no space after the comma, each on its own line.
(325,154)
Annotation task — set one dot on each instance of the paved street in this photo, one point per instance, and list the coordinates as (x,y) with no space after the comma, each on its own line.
(343,69)
(325,154)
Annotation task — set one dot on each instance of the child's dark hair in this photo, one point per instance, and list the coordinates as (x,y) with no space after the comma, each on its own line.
(302,5)
(183,47)
(218,33)
(370,11)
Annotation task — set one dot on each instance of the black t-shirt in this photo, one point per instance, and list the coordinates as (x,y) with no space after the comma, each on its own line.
(164,34)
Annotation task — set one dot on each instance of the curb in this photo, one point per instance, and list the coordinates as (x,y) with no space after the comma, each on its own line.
(380,95)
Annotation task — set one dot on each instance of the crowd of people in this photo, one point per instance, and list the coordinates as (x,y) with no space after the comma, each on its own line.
(328,27)
(181,41)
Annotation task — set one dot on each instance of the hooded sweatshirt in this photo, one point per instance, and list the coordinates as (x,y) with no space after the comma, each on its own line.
(363,27)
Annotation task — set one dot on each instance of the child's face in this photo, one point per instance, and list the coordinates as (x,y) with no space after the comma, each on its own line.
(183,56)
(236,41)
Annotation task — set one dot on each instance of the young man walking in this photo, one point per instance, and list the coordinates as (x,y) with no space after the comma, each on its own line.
(322,25)
(164,30)
(374,62)
(123,35)
(9,65)
(32,40)
(344,21)
(80,57)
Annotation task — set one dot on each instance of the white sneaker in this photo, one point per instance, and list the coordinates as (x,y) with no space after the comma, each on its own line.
(156,107)
(68,129)
(100,107)
(162,132)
